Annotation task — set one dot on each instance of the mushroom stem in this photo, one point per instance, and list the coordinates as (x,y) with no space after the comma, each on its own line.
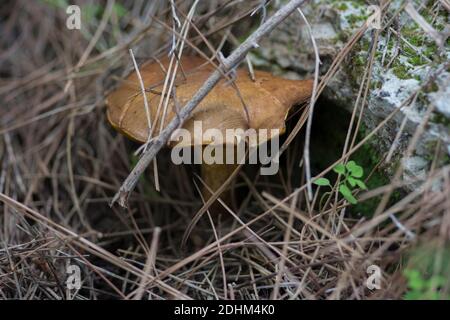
(214,176)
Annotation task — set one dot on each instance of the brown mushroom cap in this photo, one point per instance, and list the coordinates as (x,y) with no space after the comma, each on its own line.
(267,100)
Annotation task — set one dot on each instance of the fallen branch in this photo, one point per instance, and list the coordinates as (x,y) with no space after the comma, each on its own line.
(227,64)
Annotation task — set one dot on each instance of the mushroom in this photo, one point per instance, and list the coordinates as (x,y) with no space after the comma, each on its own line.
(262,103)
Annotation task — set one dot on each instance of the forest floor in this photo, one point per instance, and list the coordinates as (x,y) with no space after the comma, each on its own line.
(61,163)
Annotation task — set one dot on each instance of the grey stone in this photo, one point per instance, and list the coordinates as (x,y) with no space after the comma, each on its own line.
(396,73)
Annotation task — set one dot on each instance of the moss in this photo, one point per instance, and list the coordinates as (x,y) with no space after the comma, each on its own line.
(416,37)
(355,68)
(365,44)
(378,54)
(345,4)
(358,3)
(416,60)
(341,6)
(356,20)
(343,36)
(423,100)
(430,50)
(439,118)
(430,147)
(390,44)
(410,29)
(431,87)
(426,45)
(358,60)
(376,84)
(446,160)
(439,27)
(415,40)
(401,71)
(443,157)
(408,50)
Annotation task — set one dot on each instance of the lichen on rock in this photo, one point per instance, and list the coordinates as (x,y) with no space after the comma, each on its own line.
(406,58)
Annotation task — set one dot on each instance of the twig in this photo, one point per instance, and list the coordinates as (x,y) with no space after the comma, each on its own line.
(237,56)
(219,247)
(311,108)
(176,21)
(85,244)
(144,95)
(149,264)
(147,112)
(93,42)
(409,8)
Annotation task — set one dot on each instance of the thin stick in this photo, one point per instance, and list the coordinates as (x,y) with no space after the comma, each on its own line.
(219,247)
(147,112)
(229,63)
(409,8)
(87,245)
(141,83)
(149,264)
(311,108)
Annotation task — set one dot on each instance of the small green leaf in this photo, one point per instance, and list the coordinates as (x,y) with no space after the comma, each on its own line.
(322,182)
(120,10)
(358,172)
(351,164)
(352,181)
(339,168)
(345,191)
(415,281)
(361,184)
(355,170)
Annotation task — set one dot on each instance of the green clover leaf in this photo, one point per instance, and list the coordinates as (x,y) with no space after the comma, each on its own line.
(345,191)
(361,184)
(355,170)
(352,181)
(322,182)
(339,168)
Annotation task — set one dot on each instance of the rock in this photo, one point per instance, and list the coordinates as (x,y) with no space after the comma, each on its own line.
(414,169)
(406,57)
(441,98)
